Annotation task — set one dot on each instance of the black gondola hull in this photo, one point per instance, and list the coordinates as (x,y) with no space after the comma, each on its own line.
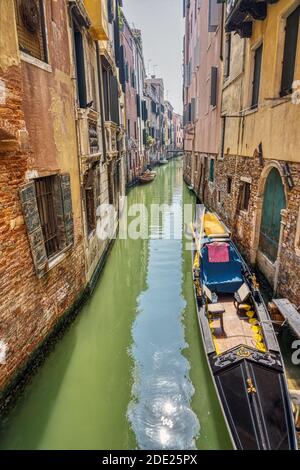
(255,400)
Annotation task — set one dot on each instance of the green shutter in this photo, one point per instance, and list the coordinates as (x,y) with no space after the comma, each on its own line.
(34,229)
(212,170)
(67,208)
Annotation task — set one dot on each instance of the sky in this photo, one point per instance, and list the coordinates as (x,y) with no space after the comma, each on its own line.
(162,25)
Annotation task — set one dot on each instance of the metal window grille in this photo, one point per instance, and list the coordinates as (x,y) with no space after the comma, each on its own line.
(45,200)
(90,209)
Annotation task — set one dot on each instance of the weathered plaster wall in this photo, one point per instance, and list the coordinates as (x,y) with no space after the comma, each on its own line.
(29,307)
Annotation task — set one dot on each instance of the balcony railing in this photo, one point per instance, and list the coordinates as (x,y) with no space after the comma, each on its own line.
(242,13)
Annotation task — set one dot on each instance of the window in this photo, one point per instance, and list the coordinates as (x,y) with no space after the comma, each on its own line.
(229,184)
(219,197)
(290,50)
(45,192)
(214,86)
(105,75)
(212,170)
(132,79)
(114,100)
(80,66)
(93,83)
(93,137)
(31,31)
(138,105)
(47,208)
(214,15)
(128,127)
(90,209)
(110,11)
(256,75)
(245,196)
(193,109)
(135,130)
(227,55)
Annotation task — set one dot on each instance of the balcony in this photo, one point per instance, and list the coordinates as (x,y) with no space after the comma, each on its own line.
(242,13)
(97,11)
(89,134)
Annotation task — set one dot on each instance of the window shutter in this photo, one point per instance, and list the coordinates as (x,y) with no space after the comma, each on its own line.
(34,229)
(144,136)
(122,72)
(193,109)
(110,10)
(290,49)
(214,86)
(212,170)
(80,69)
(256,75)
(214,15)
(114,100)
(138,105)
(67,208)
(197,53)
(227,55)
(190,112)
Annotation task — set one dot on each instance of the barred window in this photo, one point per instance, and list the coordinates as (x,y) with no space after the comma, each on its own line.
(31,31)
(245,193)
(45,192)
(90,209)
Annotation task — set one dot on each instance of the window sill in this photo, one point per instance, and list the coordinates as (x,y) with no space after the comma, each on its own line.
(57,259)
(249,111)
(36,62)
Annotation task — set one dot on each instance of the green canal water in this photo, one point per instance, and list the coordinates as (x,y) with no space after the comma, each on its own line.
(130,372)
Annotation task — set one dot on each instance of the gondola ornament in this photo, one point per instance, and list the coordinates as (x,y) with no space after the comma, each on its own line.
(251,389)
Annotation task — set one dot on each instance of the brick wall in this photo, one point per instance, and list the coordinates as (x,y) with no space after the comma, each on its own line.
(29,307)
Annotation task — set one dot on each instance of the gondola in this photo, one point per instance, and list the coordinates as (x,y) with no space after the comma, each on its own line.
(147,177)
(164,161)
(241,346)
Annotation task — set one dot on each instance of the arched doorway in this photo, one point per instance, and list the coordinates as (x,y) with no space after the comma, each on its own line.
(274,202)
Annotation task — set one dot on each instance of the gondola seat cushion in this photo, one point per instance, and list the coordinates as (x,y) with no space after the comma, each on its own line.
(222,277)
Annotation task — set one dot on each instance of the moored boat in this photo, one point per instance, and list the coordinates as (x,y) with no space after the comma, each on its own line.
(241,347)
(164,161)
(147,177)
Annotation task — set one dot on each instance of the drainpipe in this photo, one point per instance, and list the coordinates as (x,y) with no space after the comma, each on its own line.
(101,93)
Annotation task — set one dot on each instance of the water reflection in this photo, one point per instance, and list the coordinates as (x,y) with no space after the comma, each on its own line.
(160,412)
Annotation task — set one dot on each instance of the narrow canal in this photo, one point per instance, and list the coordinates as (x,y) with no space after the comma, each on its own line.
(130,372)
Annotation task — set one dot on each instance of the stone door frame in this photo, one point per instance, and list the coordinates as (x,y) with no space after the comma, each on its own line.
(258,219)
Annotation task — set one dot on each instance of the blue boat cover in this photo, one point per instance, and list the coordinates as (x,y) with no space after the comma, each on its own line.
(222,277)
